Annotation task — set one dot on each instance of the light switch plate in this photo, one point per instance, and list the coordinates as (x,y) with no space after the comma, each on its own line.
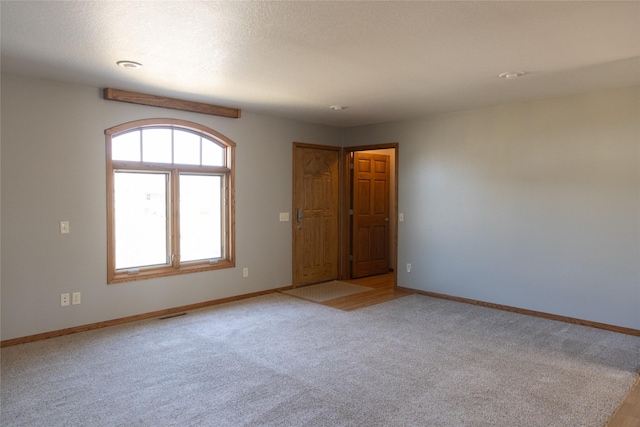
(64,227)
(284,216)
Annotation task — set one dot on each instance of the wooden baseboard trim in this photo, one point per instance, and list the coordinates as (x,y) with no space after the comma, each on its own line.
(129,319)
(174,310)
(566,319)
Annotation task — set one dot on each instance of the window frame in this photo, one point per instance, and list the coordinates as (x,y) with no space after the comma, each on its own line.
(174,266)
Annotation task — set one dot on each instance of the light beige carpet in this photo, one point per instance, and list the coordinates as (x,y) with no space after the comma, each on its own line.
(280,361)
(326,291)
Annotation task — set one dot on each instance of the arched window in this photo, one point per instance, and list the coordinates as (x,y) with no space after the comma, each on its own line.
(170,199)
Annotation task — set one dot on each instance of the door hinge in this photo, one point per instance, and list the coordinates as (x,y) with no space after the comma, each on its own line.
(350,211)
(351,166)
(350,257)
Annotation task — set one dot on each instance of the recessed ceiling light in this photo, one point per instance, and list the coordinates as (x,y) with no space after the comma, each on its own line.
(338,107)
(129,64)
(510,75)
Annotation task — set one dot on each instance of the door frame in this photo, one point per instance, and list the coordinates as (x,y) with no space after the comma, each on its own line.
(345,228)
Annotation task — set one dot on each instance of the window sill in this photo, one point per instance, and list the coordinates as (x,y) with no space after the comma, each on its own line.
(152,273)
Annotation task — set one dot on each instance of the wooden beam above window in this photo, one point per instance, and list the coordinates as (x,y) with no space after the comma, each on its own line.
(176,104)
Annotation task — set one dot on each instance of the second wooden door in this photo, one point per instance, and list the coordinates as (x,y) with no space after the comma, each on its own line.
(370,226)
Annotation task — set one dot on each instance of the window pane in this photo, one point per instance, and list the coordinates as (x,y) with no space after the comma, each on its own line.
(212,153)
(186,148)
(140,207)
(200,217)
(126,146)
(156,145)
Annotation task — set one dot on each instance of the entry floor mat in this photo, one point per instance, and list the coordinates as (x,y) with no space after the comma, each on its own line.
(327,291)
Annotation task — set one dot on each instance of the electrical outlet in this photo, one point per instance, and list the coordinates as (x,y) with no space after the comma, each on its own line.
(245,272)
(64,300)
(408,267)
(75,298)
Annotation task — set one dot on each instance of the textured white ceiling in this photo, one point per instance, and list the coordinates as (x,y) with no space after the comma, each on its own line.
(384,60)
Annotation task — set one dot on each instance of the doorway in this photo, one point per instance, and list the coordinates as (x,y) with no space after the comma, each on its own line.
(322,224)
(370,206)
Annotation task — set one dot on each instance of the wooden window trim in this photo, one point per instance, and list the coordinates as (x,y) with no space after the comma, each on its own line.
(228,171)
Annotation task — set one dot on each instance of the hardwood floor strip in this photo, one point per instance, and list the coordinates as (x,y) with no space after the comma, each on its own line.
(379,281)
(628,414)
(384,290)
(365,299)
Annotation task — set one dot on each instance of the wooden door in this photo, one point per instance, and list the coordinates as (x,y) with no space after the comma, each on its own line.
(370,227)
(315,213)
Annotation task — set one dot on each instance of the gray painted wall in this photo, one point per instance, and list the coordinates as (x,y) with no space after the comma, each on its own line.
(53,168)
(534,205)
